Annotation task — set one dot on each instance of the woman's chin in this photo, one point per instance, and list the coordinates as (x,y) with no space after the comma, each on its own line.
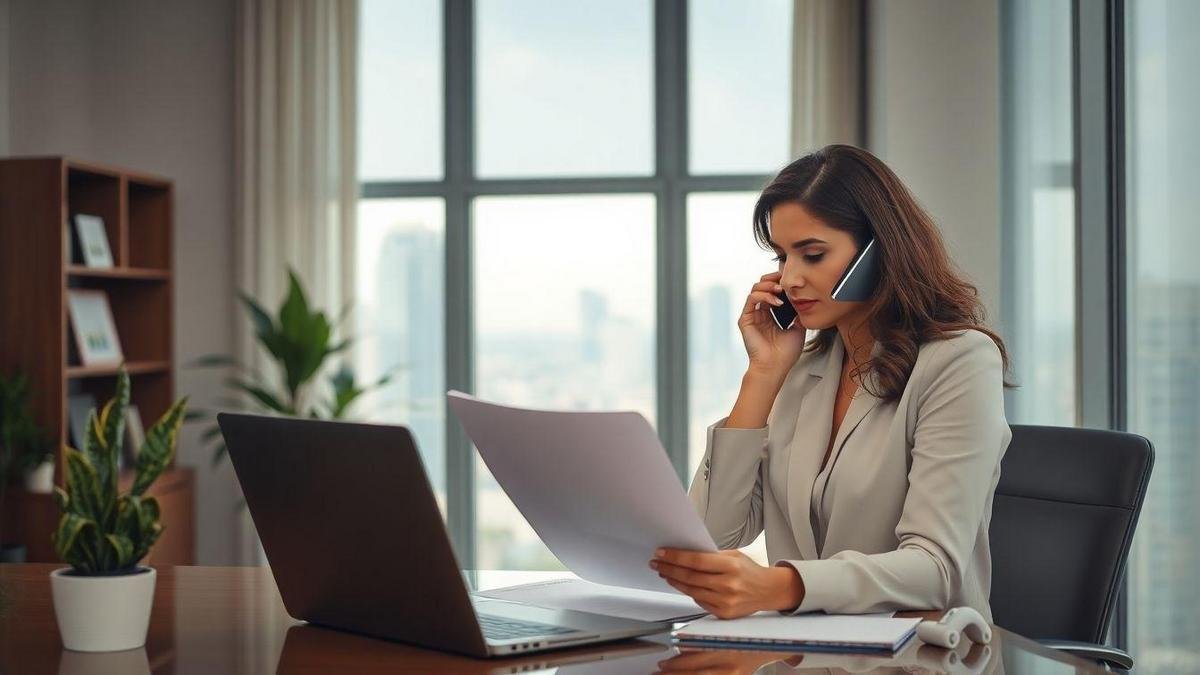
(811,323)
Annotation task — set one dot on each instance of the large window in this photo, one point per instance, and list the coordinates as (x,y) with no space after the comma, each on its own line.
(1163,326)
(562,322)
(400,328)
(1039,212)
(556,213)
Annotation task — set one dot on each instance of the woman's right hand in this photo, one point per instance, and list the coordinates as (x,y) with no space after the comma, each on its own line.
(772,351)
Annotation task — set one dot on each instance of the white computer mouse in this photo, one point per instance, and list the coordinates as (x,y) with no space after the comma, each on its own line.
(955,622)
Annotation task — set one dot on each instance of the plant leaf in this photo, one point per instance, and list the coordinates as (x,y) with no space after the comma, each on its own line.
(219,452)
(210,433)
(83,485)
(122,550)
(260,394)
(158,448)
(149,527)
(62,499)
(263,324)
(70,541)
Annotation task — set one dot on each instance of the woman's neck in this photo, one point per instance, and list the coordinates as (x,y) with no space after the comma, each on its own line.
(855,334)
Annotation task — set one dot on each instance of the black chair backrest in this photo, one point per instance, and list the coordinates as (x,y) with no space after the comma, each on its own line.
(1062,521)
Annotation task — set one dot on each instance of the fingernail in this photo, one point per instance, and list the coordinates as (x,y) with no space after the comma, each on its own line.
(776,301)
(653,565)
(660,553)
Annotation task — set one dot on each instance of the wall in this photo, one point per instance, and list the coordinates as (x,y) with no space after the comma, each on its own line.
(4,70)
(149,85)
(933,116)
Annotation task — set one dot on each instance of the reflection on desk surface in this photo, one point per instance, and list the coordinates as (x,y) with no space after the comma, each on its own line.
(306,645)
(916,657)
(209,620)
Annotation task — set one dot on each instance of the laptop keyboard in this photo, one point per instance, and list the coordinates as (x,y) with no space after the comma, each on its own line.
(497,628)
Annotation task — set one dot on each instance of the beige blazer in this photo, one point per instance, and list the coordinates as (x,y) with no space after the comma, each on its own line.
(898,519)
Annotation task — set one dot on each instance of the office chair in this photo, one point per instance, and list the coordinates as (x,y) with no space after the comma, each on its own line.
(1062,521)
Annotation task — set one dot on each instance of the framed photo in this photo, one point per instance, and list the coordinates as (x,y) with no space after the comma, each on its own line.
(94,328)
(93,241)
(135,433)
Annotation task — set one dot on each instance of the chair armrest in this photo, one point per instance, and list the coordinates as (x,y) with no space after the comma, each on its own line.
(1102,653)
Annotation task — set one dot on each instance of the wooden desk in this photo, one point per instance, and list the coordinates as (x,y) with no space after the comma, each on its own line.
(231,620)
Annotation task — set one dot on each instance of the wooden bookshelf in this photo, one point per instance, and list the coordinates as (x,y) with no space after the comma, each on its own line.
(38,198)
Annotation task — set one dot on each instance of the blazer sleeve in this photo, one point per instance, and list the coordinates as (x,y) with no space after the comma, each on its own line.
(727,489)
(959,438)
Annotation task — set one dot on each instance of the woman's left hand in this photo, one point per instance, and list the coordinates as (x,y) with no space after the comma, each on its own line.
(727,584)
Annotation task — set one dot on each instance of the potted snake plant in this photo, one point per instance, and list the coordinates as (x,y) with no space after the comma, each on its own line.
(102,601)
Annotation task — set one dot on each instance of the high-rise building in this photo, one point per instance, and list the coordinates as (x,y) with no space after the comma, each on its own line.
(1165,407)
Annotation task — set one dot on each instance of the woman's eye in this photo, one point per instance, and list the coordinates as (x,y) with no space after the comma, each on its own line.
(812,257)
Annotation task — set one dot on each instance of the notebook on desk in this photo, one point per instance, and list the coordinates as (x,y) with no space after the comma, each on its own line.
(805,632)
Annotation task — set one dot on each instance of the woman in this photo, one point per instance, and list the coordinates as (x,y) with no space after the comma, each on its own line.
(869,455)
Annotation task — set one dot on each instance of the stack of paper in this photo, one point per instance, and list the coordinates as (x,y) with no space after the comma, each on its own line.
(811,632)
(584,596)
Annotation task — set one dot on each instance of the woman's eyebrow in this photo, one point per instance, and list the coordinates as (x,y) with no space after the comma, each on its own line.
(800,244)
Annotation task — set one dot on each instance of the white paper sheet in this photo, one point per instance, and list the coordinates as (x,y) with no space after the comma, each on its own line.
(584,596)
(816,628)
(597,487)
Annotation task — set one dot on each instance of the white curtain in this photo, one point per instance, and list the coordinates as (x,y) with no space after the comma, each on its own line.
(296,159)
(296,155)
(828,74)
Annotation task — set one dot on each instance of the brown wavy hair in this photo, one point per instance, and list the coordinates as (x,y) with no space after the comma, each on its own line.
(921,296)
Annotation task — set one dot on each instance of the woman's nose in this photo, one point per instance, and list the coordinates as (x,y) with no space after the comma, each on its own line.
(791,281)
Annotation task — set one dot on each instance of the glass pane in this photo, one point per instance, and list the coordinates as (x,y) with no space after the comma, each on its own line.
(398,304)
(400,90)
(1163,327)
(724,261)
(740,86)
(1039,211)
(564,307)
(564,88)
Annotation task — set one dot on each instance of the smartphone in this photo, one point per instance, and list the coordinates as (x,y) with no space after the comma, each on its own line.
(856,285)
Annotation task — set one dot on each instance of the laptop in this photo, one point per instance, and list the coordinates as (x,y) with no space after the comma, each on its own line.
(355,541)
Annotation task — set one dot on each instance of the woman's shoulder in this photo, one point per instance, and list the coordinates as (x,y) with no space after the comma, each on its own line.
(958,347)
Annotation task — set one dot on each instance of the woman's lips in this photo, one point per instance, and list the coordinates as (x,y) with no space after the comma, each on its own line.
(804,305)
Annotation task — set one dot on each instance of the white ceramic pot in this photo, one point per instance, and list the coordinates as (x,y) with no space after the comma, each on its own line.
(40,480)
(103,614)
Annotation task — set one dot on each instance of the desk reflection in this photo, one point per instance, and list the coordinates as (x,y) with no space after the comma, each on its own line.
(307,647)
(127,662)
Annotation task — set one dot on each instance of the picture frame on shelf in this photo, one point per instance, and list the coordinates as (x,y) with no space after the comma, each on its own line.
(93,327)
(93,241)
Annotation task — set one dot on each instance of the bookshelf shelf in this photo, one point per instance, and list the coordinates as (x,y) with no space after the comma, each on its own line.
(119,273)
(134,368)
(38,267)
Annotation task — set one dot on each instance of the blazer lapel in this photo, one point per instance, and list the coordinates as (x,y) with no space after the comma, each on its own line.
(807,447)
(862,404)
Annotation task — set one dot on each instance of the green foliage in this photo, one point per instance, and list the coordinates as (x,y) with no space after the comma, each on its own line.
(23,444)
(101,530)
(299,340)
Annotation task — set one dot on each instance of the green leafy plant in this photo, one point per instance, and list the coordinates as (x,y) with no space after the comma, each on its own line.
(103,531)
(23,444)
(299,339)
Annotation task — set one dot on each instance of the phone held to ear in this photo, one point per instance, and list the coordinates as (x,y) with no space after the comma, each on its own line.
(857,284)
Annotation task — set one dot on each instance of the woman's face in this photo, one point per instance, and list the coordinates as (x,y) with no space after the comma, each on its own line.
(812,257)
